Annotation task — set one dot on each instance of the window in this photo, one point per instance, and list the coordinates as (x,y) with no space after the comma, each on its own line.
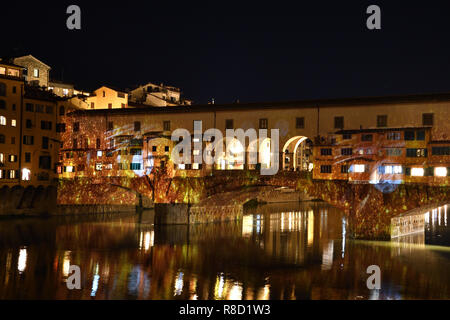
(440,151)
(409,135)
(2,89)
(390,169)
(13,106)
(166,125)
(110,126)
(153,148)
(61,110)
(109,154)
(98,166)
(45,162)
(325,169)
(382,121)
(2,138)
(347,151)
(440,172)
(393,152)
(44,142)
(135,166)
(166,148)
(99,153)
(325,152)
(12,158)
(104,94)
(65,92)
(76,126)
(229,124)
(136,152)
(27,157)
(417,172)
(29,107)
(2,121)
(123,105)
(46,125)
(366,137)
(263,123)
(420,135)
(344,168)
(108,166)
(120,95)
(28,123)
(123,166)
(393,136)
(137,126)
(60,127)
(427,119)
(75,143)
(13,140)
(2,104)
(300,123)
(92,105)
(13,123)
(339,122)
(12,174)
(359,168)
(346,136)
(69,169)
(2,70)
(416,153)
(109,105)
(36,73)
(28,140)
(2,158)
(49,109)
(39,108)
(14,89)
(429,172)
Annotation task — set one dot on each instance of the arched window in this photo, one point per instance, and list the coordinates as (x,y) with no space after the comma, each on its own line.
(2,104)
(2,121)
(61,110)
(2,138)
(2,89)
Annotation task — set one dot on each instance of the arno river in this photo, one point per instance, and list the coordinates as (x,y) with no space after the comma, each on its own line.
(278,251)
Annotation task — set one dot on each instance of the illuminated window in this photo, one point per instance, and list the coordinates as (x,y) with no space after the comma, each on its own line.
(99,154)
(2,70)
(2,158)
(13,72)
(108,166)
(195,166)
(359,168)
(135,166)
(98,166)
(68,169)
(181,166)
(65,92)
(12,174)
(440,172)
(26,174)
(2,121)
(13,122)
(36,73)
(12,158)
(196,152)
(417,172)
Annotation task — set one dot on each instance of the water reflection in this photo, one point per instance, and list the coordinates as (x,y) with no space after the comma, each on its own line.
(277,251)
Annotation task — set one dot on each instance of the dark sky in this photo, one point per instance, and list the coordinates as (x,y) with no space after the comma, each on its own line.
(259,51)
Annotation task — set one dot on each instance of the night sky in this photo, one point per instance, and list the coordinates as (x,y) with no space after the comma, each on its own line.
(263,51)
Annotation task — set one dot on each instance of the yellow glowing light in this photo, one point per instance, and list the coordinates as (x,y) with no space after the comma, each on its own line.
(235,292)
(440,172)
(66,263)
(417,172)
(22,262)
(26,174)
(310,227)
(264,293)
(247,225)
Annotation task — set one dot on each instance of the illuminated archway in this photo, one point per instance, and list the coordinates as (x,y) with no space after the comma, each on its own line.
(296,153)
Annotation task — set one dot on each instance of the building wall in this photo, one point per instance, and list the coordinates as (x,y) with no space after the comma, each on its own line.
(107,98)
(31,63)
(11,111)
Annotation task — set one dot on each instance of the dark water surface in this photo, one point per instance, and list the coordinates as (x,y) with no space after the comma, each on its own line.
(278,251)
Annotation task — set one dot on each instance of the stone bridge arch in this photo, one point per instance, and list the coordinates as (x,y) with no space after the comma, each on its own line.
(296,154)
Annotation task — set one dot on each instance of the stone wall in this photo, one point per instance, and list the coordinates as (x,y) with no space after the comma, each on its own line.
(27,201)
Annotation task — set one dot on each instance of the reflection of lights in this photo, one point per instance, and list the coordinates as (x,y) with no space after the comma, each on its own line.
(247,225)
(95,282)
(26,174)
(219,287)
(417,172)
(179,284)
(148,240)
(22,263)
(66,263)
(343,235)
(235,292)
(310,227)
(440,172)
(327,256)
(264,293)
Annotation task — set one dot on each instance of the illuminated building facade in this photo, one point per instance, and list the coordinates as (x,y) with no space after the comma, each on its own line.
(158,96)
(36,72)
(396,128)
(394,155)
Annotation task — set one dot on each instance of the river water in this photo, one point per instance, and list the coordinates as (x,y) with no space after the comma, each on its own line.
(278,251)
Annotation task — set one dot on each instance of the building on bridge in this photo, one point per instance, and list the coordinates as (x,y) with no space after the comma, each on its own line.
(135,141)
(383,155)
